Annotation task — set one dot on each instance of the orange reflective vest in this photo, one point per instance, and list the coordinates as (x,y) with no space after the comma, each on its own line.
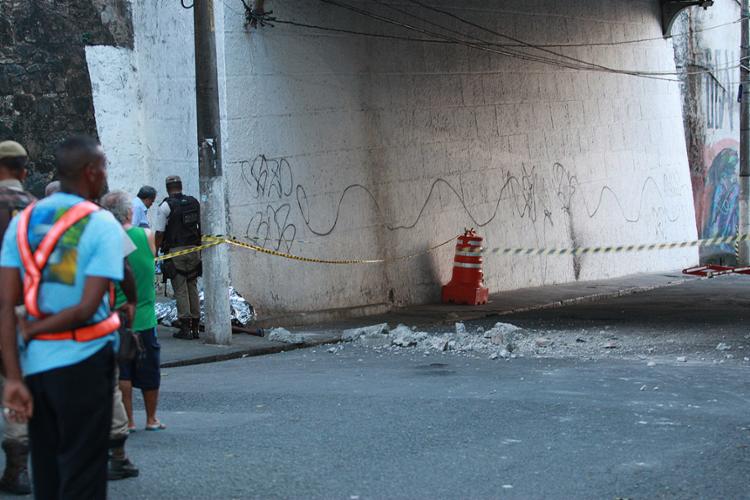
(33,264)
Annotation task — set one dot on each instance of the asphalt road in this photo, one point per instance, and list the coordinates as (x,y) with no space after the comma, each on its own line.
(361,424)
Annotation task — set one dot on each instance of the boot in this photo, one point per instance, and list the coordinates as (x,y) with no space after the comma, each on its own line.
(120,467)
(185,332)
(194,326)
(15,479)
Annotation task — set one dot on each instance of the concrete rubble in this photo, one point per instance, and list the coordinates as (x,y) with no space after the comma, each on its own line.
(508,341)
(497,342)
(285,336)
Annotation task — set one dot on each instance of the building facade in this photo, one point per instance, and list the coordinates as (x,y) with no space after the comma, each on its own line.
(388,141)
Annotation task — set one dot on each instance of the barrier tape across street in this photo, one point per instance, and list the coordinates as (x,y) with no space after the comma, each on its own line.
(212,241)
(709,242)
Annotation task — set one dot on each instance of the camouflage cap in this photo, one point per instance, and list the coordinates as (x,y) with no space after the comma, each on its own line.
(173,179)
(11,149)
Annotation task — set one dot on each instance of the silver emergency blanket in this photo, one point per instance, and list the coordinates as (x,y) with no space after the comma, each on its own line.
(242,312)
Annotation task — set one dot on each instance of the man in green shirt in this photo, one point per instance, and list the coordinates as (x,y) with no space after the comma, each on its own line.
(143,373)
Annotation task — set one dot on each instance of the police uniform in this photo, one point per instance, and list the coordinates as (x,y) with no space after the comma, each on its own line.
(13,199)
(178,217)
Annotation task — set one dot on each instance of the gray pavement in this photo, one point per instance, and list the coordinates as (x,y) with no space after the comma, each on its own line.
(309,424)
(558,423)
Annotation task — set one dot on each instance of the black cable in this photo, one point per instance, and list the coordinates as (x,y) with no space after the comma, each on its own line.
(362,33)
(182,2)
(520,55)
(435,34)
(532,46)
(480,44)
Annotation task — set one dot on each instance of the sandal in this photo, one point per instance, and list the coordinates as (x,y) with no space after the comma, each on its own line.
(158,426)
(132,429)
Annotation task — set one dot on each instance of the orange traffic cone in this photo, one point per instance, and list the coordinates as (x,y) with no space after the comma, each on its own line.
(467,284)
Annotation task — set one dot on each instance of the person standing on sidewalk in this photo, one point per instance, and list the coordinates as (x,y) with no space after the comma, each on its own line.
(66,395)
(13,199)
(141,203)
(143,373)
(178,227)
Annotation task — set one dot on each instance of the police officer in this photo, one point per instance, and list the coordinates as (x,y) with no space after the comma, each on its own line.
(178,227)
(13,198)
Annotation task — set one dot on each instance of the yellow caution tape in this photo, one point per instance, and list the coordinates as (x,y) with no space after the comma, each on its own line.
(256,248)
(214,240)
(212,243)
(621,248)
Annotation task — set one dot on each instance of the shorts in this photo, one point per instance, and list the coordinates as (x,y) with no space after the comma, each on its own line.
(144,371)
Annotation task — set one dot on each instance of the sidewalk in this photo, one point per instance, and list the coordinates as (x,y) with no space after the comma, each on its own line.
(184,352)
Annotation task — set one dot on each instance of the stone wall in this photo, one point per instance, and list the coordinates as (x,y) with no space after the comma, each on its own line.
(45,90)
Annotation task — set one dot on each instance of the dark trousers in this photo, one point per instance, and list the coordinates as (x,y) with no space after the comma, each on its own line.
(69,431)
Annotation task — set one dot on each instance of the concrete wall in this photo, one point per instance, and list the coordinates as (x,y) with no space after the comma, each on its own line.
(144,99)
(341,146)
(712,116)
(352,147)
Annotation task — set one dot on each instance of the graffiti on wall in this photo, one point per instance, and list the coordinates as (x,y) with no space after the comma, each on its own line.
(712,149)
(717,193)
(720,101)
(280,204)
(270,182)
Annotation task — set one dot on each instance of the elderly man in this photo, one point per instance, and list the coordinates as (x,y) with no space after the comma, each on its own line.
(141,203)
(143,373)
(51,188)
(68,339)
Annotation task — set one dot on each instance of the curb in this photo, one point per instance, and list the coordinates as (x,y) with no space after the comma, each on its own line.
(247,353)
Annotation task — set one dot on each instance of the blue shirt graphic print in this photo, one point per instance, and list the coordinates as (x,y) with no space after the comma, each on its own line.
(91,248)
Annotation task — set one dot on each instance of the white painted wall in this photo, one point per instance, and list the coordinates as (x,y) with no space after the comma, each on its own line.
(377,147)
(144,99)
(383,148)
(116,90)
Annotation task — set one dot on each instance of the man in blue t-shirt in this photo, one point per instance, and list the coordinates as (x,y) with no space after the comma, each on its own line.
(66,390)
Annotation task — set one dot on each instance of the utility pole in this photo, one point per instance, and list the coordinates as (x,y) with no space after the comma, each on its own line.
(212,189)
(744,254)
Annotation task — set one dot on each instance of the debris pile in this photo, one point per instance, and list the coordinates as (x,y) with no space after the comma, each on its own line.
(242,312)
(508,341)
(285,336)
(501,341)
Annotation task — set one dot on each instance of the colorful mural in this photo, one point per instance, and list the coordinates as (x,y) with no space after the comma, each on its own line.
(717,191)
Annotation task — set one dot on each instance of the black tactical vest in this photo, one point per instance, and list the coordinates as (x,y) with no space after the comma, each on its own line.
(184,222)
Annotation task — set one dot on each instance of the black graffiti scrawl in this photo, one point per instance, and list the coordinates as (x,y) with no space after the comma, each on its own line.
(535,194)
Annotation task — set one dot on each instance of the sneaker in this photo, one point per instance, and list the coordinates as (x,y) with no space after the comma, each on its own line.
(121,469)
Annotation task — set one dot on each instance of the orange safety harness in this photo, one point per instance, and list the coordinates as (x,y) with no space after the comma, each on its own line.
(34,263)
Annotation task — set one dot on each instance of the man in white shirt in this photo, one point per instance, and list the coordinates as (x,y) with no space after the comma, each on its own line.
(141,203)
